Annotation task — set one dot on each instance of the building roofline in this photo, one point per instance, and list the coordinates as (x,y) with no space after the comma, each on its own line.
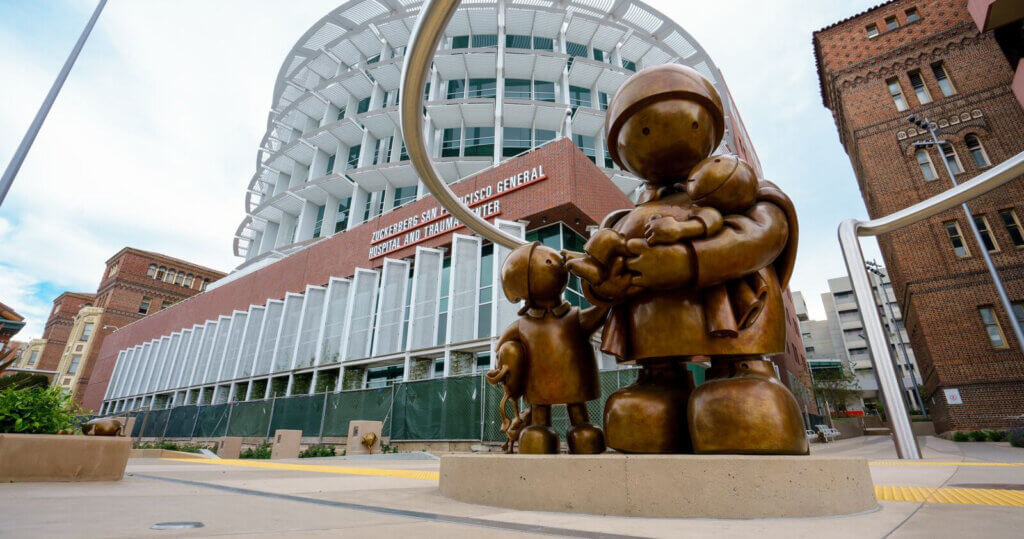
(856,15)
(818,64)
(164,257)
(83,295)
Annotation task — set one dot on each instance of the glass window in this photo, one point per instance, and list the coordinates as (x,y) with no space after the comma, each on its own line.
(586,144)
(180,278)
(402,154)
(483,88)
(516,140)
(486,291)
(517,88)
(925,161)
(544,91)
(912,15)
(383,153)
(602,100)
(957,239)
(479,141)
(442,306)
(1018,312)
(86,331)
(353,157)
(1012,225)
(32,358)
(404,195)
(189,279)
(319,224)
(986,235)
(373,59)
(383,376)
(75,360)
(144,306)
(977,151)
(451,142)
(485,40)
(540,136)
(579,97)
(600,55)
(513,41)
(543,43)
(629,65)
(160,273)
(171,274)
(456,89)
(891,23)
(341,113)
(206,282)
(151,272)
(991,323)
(872,30)
(460,42)
(363,106)
(952,158)
(945,84)
(341,221)
(897,94)
(576,49)
(920,90)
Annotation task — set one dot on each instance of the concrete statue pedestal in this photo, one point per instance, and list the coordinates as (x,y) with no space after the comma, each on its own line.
(677,486)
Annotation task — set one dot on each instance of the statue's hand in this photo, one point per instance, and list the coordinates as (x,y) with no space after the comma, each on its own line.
(666,230)
(659,267)
(603,286)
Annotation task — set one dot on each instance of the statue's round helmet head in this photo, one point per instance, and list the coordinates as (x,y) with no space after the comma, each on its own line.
(535,273)
(662,121)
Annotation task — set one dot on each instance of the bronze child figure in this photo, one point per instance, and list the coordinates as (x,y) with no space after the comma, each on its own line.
(546,355)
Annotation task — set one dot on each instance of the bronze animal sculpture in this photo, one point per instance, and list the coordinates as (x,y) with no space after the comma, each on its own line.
(103,426)
(368,440)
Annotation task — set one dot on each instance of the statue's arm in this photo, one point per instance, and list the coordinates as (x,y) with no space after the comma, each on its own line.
(591,318)
(745,244)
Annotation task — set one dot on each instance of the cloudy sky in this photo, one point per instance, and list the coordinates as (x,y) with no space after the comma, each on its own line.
(152,141)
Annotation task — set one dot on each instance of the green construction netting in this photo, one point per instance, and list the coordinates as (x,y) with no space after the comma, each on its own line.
(137,429)
(154,423)
(250,419)
(365,404)
(440,409)
(182,421)
(213,421)
(298,413)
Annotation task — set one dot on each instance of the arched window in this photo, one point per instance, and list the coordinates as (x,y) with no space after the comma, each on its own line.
(977,151)
(171,274)
(180,278)
(189,279)
(151,273)
(160,273)
(925,161)
(205,283)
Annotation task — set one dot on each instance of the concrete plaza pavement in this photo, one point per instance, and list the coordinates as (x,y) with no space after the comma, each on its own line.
(397,496)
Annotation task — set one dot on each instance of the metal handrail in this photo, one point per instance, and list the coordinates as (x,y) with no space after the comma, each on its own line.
(849,232)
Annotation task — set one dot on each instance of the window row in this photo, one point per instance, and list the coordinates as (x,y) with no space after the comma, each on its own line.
(1006,217)
(951,158)
(993,328)
(518,41)
(917,83)
(892,23)
(173,276)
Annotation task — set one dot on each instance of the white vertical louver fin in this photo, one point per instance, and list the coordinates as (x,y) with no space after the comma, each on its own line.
(168,363)
(426,292)
(203,357)
(505,311)
(247,352)
(391,307)
(268,337)
(362,307)
(115,374)
(217,352)
(174,375)
(289,330)
(140,371)
(309,327)
(465,288)
(332,331)
(229,366)
(189,365)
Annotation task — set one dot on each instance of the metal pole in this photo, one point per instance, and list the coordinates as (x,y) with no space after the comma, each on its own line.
(323,416)
(903,435)
(270,418)
(996,280)
(33,129)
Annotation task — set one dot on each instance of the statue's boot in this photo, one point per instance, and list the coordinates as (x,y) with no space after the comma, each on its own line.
(538,440)
(649,416)
(746,411)
(583,437)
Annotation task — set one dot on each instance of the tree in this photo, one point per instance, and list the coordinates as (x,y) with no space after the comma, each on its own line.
(835,385)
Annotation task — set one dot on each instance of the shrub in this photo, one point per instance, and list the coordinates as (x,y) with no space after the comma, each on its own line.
(996,435)
(1016,437)
(315,451)
(261,451)
(977,436)
(960,437)
(171,446)
(38,410)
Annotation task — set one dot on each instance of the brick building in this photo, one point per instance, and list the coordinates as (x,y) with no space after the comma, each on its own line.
(44,354)
(928,58)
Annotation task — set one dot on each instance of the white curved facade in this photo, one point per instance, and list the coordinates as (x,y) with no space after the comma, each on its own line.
(503,78)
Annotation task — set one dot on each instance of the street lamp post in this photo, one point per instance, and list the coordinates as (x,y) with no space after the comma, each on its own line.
(933,130)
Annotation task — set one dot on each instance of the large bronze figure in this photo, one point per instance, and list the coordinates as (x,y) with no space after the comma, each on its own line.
(696,269)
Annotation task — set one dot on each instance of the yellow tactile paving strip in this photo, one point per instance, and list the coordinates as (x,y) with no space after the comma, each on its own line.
(379,472)
(970,496)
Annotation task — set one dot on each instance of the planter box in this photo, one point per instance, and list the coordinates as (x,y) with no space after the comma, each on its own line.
(52,457)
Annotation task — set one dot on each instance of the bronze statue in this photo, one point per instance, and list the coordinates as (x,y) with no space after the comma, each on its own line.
(368,440)
(546,355)
(103,426)
(696,269)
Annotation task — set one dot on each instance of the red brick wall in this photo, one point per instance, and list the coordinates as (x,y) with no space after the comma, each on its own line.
(938,292)
(575,190)
(58,327)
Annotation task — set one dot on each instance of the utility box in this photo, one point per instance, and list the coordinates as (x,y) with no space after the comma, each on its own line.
(229,447)
(357,431)
(286,444)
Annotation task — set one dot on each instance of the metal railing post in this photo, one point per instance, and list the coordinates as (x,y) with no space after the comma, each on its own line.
(270,417)
(878,343)
(323,416)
